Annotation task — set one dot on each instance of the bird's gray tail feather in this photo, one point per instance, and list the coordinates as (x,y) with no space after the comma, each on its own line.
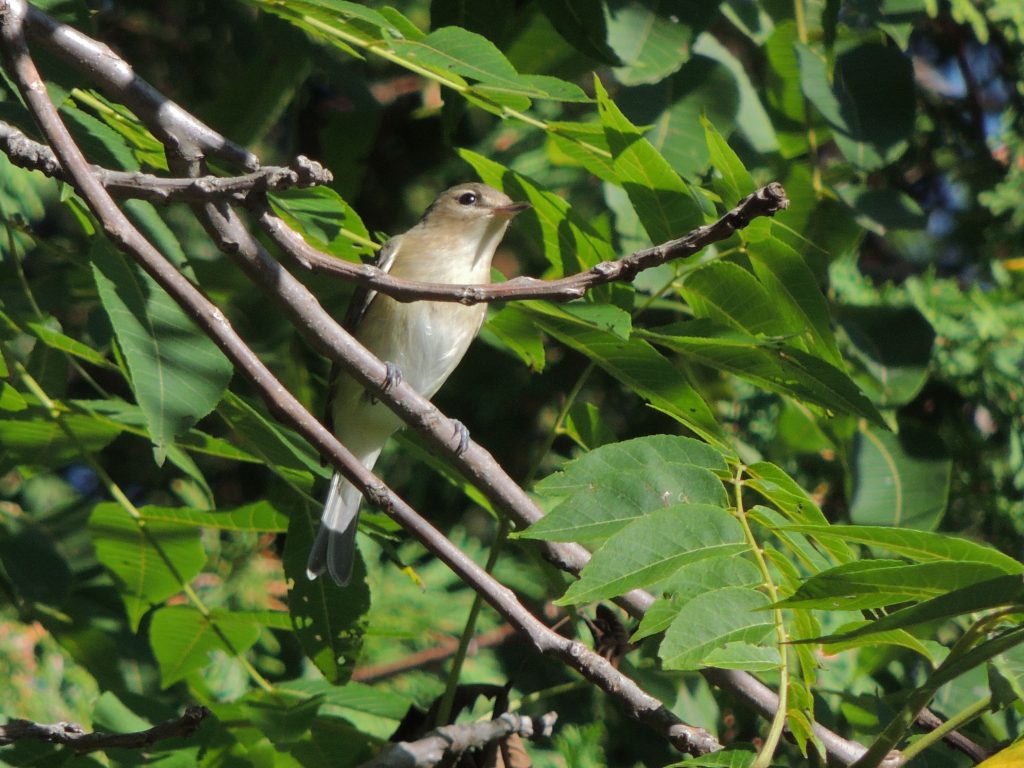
(334,549)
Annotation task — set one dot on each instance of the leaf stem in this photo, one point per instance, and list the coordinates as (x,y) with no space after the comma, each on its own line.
(960,719)
(771,742)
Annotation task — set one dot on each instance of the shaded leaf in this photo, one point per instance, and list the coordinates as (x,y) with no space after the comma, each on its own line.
(183,638)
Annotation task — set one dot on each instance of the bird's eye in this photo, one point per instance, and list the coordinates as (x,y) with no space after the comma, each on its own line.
(467,198)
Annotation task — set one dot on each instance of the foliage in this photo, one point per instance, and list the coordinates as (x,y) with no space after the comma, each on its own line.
(807,442)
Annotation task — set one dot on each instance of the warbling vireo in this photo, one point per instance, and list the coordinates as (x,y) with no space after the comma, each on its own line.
(422,342)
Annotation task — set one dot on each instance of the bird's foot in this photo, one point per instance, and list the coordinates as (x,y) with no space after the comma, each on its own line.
(392,376)
(460,431)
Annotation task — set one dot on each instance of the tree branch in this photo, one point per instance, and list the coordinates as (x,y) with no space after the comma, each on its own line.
(451,741)
(766,201)
(80,741)
(303,172)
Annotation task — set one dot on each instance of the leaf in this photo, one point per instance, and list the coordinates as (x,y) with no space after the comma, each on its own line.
(329,621)
(513,330)
(57,340)
(984,595)
(793,289)
(453,49)
(182,639)
(729,294)
(921,546)
(872,126)
(259,516)
(879,583)
(736,182)
(604,490)
(587,427)
(651,38)
(901,480)
(583,25)
(890,351)
(1010,757)
(663,201)
(34,439)
(673,109)
(325,220)
(358,697)
(653,547)
(178,374)
(150,562)
(693,579)
(638,366)
(772,366)
(713,621)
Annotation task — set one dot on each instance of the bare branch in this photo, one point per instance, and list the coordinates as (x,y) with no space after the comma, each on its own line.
(77,738)
(766,201)
(33,156)
(452,740)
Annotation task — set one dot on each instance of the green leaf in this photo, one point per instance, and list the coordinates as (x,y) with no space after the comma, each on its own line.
(663,201)
(777,368)
(731,295)
(585,424)
(325,221)
(792,287)
(653,547)
(512,329)
(259,516)
(178,374)
(34,439)
(982,596)
(872,125)
(453,49)
(890,351)
(651,38)
(329,621)
(150,561)
(673,109)
(606,489)
(182,639)
(637,365)
(921,546)
(715,622)
(901,480)
(879,583)
(736,182)
(358,697)
(57,340)
(691,580)
(583,25)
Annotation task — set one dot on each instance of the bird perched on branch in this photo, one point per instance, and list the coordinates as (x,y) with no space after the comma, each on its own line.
(421,342)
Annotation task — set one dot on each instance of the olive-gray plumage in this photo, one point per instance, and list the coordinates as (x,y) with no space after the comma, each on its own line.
(454,243)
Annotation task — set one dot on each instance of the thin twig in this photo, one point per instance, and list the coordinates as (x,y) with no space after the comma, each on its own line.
(430,656)
(766,201)
(75,736)
(303,172)
(452,740)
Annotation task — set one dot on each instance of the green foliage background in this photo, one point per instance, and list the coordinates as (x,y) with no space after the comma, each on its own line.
(822,414)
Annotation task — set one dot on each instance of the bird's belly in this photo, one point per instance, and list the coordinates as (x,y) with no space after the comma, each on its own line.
(427,340)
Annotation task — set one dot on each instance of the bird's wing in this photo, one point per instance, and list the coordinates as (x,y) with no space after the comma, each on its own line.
(361,299)
(363,296)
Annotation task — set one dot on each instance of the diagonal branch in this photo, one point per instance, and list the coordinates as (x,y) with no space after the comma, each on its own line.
(75,736)
(33,156)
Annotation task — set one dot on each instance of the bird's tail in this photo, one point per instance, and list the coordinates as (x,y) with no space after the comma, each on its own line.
(334,549)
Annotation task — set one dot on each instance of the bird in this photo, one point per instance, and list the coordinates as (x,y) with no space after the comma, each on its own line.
(421,343)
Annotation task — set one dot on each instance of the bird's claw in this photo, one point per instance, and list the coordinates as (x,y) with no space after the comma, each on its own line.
(459,429)
(392,376)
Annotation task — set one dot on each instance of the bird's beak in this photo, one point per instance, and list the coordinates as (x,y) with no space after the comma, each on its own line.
(508,211)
